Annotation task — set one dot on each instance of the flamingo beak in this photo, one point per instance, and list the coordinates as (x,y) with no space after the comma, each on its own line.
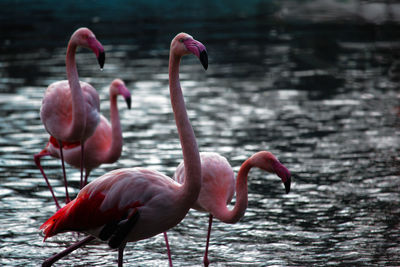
(128,101)
(204,59)
(101,59)
(287,185)
(284,174)
(198,49)
(126,94)
(98,49)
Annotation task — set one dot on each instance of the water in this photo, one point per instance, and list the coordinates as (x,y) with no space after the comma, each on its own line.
(319,91)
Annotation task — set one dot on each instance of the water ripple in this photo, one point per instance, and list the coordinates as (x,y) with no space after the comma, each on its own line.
(325,105)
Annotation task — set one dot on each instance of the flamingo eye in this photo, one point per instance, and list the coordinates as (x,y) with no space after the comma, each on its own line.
(181,40)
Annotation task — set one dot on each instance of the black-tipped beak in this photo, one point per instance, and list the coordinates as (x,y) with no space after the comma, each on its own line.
(287,185)
(128,102)
(101,58)
(204,59)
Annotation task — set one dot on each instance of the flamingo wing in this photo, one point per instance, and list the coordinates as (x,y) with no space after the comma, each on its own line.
(56,109)
(108,200)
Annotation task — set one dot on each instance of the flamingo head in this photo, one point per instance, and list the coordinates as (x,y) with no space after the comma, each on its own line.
(268,162)
(86,38)
(184,44)
(118,88)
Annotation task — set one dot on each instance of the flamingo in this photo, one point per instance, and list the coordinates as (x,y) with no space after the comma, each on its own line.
(70,109)
(218,186)
(132,204)
(104,146)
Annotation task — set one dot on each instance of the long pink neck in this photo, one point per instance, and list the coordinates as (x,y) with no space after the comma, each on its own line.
(77,126)
(234,215)
(115,149)
(191,187)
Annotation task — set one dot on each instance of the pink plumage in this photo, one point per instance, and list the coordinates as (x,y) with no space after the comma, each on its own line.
(134,203)
(70,108)
(57,112)
(218,181)
(218,185)
(103,146)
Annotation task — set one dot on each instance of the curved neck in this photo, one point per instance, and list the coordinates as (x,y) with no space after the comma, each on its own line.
(78,123)
(114,152)
(190,189)
(234,215)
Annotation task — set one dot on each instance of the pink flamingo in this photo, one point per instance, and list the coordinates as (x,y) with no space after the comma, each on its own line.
(104,146)
(70,109)
(218,186)
(132,204)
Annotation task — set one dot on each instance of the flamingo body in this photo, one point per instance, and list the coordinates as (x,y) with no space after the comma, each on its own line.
(95,146)
(56,111)
(113,196)
(218,181)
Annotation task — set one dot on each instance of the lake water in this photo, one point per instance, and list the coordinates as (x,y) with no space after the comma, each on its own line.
(320,91)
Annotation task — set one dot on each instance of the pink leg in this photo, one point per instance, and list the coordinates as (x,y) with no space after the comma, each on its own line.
(37,157)
(205,260)
(65,175)
(66,251)
(168,249)
(87,173)
(82,163)
(121,254)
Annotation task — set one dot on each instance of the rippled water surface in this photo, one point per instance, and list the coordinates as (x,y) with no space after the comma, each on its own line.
(322,95)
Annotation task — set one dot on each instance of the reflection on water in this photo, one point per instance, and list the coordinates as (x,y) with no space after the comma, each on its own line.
(321,96)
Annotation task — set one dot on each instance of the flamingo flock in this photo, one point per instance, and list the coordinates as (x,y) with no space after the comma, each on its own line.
(132,204)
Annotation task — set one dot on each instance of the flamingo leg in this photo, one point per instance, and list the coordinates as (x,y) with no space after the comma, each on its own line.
(64,173)
(121,254)
(205,260)
(168,249)
(56,257)
(37,157)
(87,173)
(82,163)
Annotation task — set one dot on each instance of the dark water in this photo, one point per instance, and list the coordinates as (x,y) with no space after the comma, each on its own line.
(316,86)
